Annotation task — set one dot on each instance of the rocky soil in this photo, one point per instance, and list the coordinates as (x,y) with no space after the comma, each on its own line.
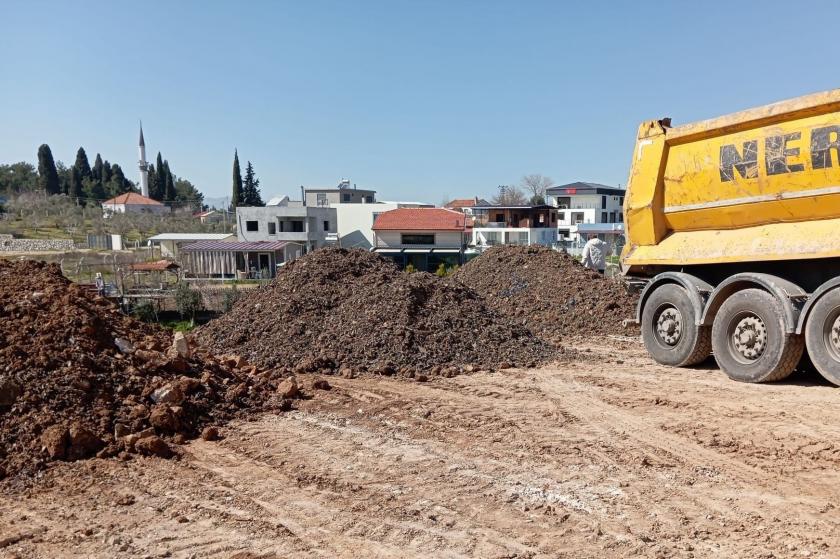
(351,310)
(78,378)
(549,292)
(611,457)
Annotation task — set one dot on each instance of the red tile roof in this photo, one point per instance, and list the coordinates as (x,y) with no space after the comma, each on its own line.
(461,203)
(421,219)
(132,199)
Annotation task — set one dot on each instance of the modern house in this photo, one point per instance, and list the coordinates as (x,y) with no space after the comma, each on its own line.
(342,194)
(422,237)
(466,205)
(284,220)
(355,221)
(235,259)
(131,202)
(585,203)
(169,244)
(514,225)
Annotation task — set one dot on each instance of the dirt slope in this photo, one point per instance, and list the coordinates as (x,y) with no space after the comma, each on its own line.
(79,378)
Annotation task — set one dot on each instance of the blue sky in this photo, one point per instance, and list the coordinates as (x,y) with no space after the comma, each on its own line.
(418,100)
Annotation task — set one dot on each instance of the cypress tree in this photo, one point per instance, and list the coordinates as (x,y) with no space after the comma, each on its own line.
(152,180)
(82,164)
(118,180)
(96,172)
(106,172)
(251,188)
(169,188)
(236,197)
(75,185)
(160,180)
(47,173)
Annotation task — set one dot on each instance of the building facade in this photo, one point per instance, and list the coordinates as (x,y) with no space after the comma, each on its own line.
(585,203)
(344,193)
(424,238)
(131,202)
(466,205)
(514,225)
(306,227)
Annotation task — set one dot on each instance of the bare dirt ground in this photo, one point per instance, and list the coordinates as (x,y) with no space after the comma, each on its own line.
(610,457)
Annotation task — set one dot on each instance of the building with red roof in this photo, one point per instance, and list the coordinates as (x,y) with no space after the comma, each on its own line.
(466,205)
(425,238)
(131,202)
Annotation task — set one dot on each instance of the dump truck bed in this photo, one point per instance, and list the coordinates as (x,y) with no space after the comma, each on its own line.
(758,185)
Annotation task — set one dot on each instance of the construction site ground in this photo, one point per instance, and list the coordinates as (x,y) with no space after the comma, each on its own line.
(609,456)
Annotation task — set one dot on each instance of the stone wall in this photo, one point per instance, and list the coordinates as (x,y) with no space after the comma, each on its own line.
(10,244)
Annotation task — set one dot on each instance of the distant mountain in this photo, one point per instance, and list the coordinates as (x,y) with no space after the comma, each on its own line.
(220,203)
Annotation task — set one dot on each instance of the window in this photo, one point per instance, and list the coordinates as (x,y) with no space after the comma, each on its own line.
(620,217)
(326,225)
(603,217)
(612,217)
(603,202)
(345,197)
(561,215)
(369,199)
(321,199)
(500,218)
(272,228)
(375,215)
(415,239)
(621,201)
(297,227)
(252,226)
(553,218)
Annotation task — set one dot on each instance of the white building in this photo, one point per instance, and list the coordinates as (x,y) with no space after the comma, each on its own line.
(131,202)
(422,237)
(355,221)
(170,243)
(514,225)
(585,203)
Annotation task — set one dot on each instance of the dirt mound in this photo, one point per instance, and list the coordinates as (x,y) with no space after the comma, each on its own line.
(78,378)
(338,309)
(549,292)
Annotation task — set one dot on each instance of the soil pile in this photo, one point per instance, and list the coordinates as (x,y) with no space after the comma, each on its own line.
(78,378)
(349,310)
(549,292)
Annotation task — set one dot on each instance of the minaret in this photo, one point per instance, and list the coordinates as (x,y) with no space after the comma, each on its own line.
(144,167)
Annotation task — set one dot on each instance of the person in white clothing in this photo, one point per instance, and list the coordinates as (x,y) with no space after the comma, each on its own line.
(595,253)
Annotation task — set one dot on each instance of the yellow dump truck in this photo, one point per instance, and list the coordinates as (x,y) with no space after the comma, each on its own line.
(733,224)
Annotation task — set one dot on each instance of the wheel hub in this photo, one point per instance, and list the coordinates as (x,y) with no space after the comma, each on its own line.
(835,334)
(750,337)
(669,326)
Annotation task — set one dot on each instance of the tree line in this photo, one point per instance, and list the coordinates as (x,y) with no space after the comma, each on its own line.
(91,184)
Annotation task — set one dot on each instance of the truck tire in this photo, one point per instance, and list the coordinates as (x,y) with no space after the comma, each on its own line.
(749,339)
(669,328)
(822,336)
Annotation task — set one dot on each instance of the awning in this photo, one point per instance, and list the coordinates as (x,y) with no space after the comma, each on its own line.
(446,250)
(387,250)
(417,250)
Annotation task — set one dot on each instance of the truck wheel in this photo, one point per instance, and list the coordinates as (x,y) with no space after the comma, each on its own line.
(749,339)
(822,336)
(669,328)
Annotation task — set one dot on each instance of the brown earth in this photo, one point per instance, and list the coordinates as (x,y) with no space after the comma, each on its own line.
(78,378)
(611,457)
(339,308)
(549,292)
